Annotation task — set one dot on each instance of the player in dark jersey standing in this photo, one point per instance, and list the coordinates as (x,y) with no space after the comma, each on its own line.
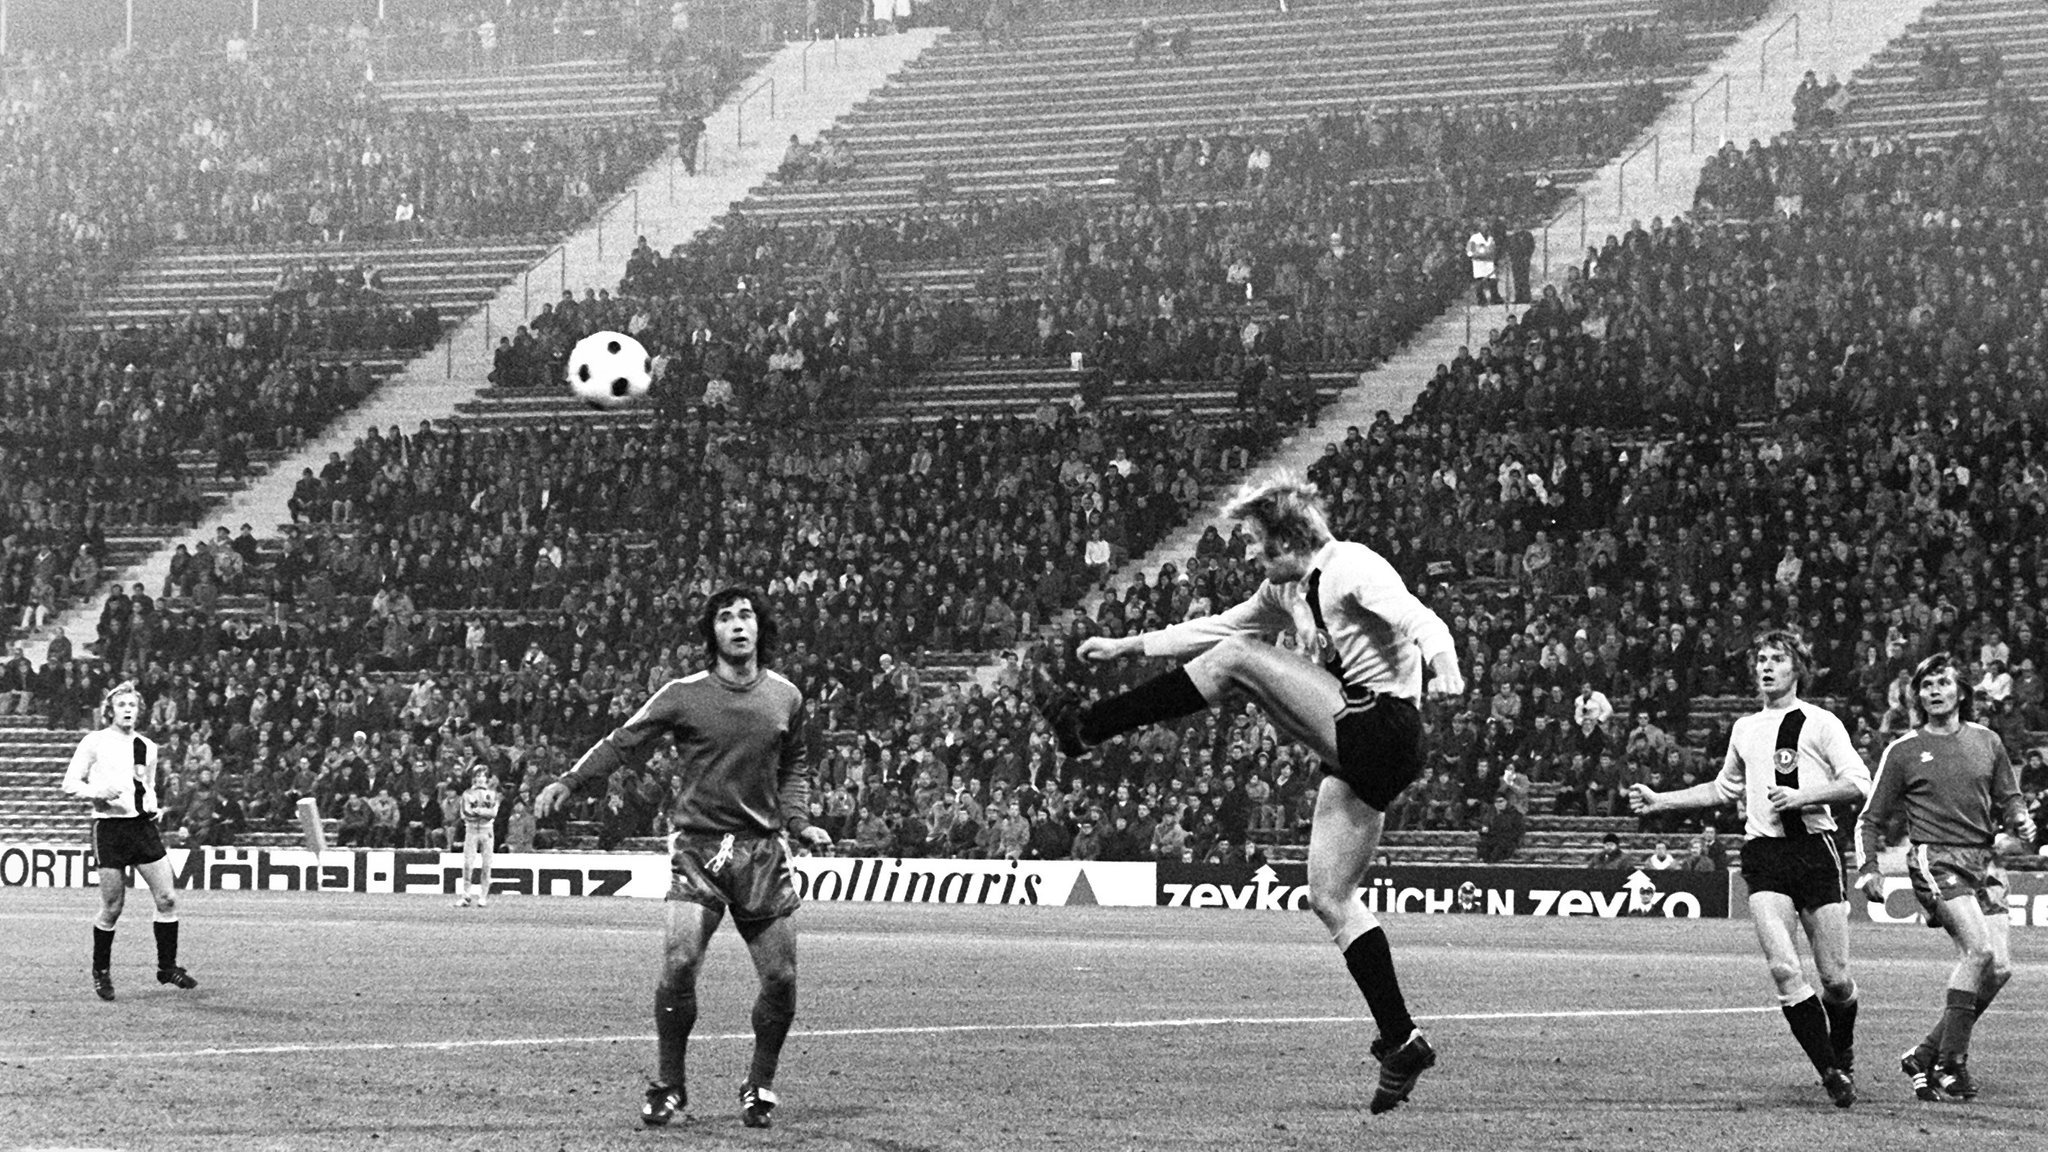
(1787,762)
(1956,785)
(746,781)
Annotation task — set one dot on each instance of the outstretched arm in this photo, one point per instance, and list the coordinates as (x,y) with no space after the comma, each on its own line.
(1645,802)
(1263,612)
(604,757)
(1722,789)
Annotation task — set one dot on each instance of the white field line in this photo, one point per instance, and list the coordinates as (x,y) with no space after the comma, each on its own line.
(828,1033)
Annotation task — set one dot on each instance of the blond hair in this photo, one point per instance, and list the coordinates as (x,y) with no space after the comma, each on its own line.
(124,688)
(1288,509)
(1794,646)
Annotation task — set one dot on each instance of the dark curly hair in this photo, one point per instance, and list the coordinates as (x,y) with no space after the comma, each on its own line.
(764,641)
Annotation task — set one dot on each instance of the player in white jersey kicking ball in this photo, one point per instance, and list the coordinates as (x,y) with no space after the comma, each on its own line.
(1353,702)
(1787,762)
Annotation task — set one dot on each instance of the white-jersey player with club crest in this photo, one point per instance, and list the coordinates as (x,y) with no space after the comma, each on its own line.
(1788,763)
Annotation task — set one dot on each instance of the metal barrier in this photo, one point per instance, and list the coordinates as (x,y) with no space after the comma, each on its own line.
(739,111)
(1763,52)
(526,280)
(1727,110)
(1548,224)
(632,194)
(1655,144)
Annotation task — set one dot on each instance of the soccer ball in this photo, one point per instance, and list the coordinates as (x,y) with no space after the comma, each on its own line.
(608,369)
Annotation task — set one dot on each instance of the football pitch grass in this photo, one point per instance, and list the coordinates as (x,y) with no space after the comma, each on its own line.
(394,1022)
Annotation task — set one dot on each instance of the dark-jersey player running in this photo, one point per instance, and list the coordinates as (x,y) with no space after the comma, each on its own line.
(115,768)
(746,781)
(1787,762)
(1956,786)
(1350,695)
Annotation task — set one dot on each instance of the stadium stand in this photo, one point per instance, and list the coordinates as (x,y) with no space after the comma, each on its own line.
(1597,496)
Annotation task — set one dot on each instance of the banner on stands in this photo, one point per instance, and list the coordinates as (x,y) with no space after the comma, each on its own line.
(2026,902)
(823,878)
(937,881)
(1455,888)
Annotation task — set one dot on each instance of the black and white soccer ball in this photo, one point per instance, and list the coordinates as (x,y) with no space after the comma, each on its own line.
(607,369)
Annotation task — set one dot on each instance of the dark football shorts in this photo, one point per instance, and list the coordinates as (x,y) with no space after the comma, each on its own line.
(746,874)
(1806,868)
(1944,872)
(126,841)
(1379,749)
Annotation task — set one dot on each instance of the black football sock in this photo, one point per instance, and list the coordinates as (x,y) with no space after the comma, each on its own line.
(1925,1051)
(102,948)
(1987,991)
(166,943)
(1372,966)
(1810,1027)
(774,1012)
(675,1013)
(1842,1028)
(1957,1021)
(1168,696)
(1928,1049)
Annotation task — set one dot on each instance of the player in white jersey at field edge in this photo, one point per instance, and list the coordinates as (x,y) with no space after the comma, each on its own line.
(1787,763)
(1354,702)
(479,838)
(115,768)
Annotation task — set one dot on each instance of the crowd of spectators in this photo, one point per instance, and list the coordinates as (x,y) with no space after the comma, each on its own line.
(1942,67)
(273,149)
(96,422)
(1816,105)
(114,153)
(1624,46)
(1721,14)
(1338,147)
(1323,252)
(504,34)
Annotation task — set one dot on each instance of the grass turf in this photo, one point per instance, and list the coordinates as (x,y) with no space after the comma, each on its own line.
(345,1021)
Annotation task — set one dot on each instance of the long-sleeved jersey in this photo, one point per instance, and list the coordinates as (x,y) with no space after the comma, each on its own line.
(1374,633)
(1956,789)
(480,804)
(110,758)
(745,767)
(1797,747)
